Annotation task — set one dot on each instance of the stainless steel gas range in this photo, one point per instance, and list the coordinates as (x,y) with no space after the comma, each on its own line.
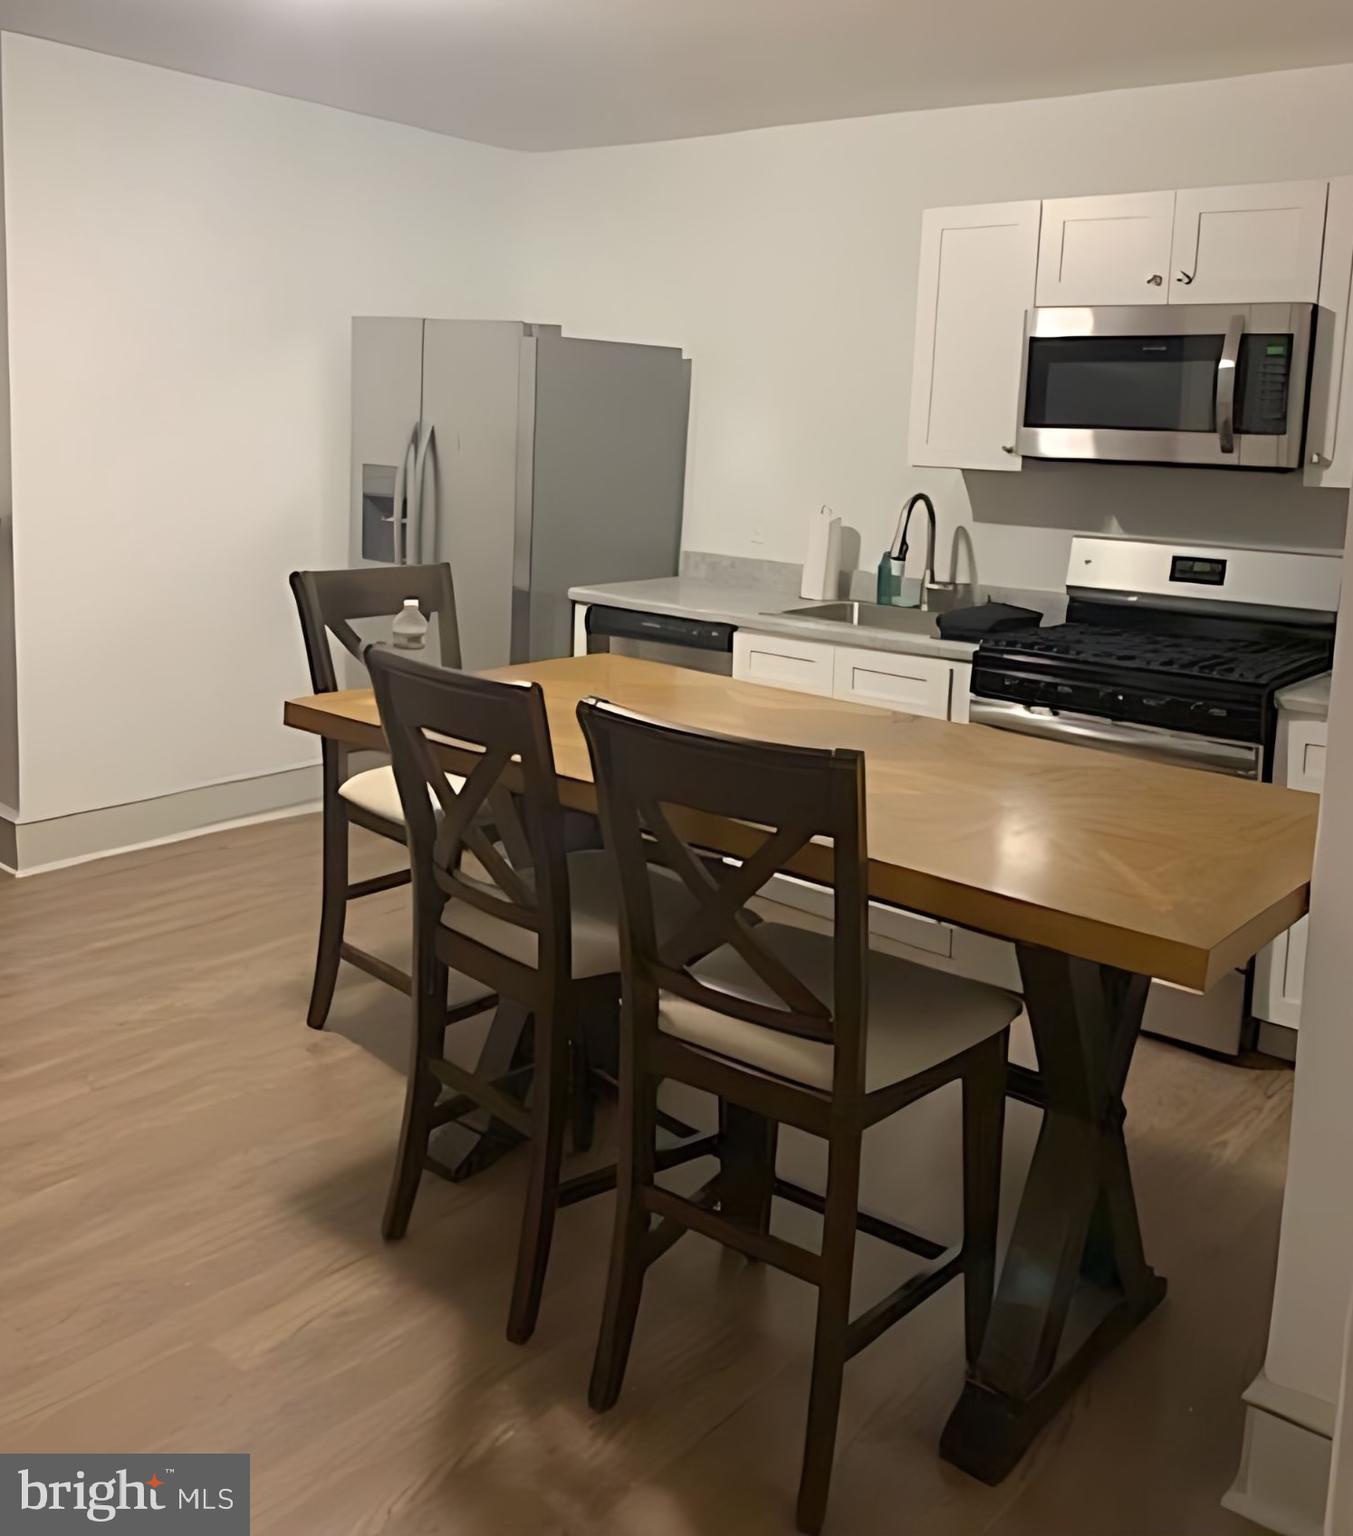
(1171,652)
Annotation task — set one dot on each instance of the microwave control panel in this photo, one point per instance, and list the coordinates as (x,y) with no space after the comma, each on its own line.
(1262,384)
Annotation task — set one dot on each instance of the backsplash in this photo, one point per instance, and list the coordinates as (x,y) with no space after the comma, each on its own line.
(1014,531)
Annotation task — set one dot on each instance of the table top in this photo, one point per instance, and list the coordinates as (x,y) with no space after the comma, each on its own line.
(1167,871)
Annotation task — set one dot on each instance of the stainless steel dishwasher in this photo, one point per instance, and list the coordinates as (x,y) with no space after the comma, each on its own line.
(680,642)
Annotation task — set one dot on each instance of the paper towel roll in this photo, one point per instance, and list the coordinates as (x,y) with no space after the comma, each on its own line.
(822,563)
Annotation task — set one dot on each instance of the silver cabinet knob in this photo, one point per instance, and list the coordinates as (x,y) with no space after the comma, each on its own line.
(1155,280)
(1007,447)
(1185,277)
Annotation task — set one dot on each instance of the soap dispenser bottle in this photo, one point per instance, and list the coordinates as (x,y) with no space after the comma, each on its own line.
(889,585)
(893,566)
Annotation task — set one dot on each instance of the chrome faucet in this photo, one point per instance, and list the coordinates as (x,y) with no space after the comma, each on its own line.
(899,548)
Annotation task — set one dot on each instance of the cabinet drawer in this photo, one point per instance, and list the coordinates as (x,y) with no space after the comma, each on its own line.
(782,662)
(916,685)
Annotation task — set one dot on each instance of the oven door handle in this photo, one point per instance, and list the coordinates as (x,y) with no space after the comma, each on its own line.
(1148,741)
(1226,383)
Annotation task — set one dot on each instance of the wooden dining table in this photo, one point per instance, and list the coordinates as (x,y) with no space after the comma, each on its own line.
(1104,871)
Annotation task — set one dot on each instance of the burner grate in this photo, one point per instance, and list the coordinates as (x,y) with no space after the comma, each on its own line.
(1260,661)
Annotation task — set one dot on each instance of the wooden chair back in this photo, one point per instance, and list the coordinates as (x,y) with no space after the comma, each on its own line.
(329,602)
(510,785)
(650,776)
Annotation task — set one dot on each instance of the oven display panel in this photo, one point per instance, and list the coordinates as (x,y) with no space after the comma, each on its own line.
(1197,570)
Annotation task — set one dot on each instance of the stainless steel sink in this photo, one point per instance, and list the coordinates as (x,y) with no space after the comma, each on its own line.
(863,615)
(911,621)
(939,597)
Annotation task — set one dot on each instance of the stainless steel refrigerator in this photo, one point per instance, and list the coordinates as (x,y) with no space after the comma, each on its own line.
(529,460)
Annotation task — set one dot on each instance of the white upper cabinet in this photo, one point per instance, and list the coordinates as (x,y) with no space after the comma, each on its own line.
(1248,245)
(1106,250)
(977,271)
(1329,436)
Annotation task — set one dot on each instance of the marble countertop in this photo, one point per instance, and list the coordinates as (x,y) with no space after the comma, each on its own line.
(761,609)
(1309,698)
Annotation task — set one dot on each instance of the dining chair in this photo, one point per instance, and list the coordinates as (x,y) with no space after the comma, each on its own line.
(785,1026)
(532,921)
(330,604)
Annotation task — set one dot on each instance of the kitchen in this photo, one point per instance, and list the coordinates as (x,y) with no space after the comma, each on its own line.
(784,264)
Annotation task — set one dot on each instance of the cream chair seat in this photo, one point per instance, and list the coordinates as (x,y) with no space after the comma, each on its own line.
(594,892)
(374,791)
(918,1017)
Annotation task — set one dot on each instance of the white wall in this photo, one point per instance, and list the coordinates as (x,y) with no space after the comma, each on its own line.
(184,257)
(9,680)
(184,260)
(784,261)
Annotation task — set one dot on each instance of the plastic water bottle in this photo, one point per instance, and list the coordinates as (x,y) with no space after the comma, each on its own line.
(409,632)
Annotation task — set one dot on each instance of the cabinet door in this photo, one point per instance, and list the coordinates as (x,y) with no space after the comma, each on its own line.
(1278,973)
(1303,754)
(1106,250)
(780,661)
(1280,966)
(1329,437)
(1248,245)
(977,272)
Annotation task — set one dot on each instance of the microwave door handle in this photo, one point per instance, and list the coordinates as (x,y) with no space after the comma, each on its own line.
(1226,383)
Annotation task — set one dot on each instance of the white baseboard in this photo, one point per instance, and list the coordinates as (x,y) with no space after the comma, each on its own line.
(1283,1481)
(32,847)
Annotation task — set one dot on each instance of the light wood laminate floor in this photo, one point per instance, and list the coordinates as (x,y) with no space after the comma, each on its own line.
(190,1193)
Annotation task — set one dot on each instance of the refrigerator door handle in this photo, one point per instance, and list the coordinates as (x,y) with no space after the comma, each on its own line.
(427,452)
(399,520)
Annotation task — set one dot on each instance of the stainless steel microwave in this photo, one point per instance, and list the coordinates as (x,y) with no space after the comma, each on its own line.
(1218,384)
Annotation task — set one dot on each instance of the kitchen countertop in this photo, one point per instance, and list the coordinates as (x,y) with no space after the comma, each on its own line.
(1309,698)
(755,608)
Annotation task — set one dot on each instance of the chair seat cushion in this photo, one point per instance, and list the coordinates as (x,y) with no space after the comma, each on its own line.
(374,790)
(595,896)
(918,1017)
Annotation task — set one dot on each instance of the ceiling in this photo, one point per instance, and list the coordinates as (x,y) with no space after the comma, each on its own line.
(551,74)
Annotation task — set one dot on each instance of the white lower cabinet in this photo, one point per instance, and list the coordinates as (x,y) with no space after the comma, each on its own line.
(913,685)
(780,661)
(908,935)
(1278,970)
(1278,974)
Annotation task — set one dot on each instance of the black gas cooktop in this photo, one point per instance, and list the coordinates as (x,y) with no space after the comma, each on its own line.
(1193,674)
(1264,661)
